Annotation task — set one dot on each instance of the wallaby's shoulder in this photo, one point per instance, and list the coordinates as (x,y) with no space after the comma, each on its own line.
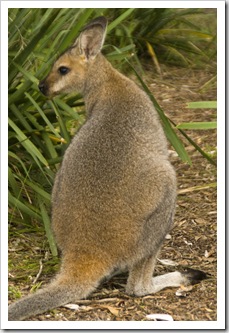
(114,92)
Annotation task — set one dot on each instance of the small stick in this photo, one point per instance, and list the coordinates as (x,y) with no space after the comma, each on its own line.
(39,273)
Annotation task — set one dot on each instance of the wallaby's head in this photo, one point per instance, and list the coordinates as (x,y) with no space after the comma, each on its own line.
(69,72)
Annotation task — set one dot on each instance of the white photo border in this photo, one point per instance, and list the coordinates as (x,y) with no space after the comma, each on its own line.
(220,323)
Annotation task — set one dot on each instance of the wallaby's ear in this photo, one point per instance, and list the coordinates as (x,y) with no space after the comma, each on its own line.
(91,38)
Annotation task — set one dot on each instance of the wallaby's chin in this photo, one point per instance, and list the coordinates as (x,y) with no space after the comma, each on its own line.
(51,94)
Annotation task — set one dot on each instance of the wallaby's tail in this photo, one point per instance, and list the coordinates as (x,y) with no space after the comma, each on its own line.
(76,281)
(48,298)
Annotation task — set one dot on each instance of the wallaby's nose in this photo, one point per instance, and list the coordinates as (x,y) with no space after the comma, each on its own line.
(43,87)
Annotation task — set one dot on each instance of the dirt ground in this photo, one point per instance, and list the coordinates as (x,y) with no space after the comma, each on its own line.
(192,241)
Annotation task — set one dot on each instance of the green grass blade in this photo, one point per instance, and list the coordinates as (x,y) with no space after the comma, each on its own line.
(205,155)
(27,144)
(18,95)
(38,190)
(202,105)
(13,183)
(64,131)
(47,224)
(27,74)
(119,19)
(67,108)
(24,207)
(49,145)
(188,33)
(16,22)
(20,116)
(18,159)
(198,125)
(81,20)
(51,127)
(174,51)
(31,45)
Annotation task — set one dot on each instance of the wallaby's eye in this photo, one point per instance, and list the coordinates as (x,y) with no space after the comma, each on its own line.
(63,70)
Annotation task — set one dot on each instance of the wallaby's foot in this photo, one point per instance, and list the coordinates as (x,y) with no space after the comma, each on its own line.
(140,281)
(194,275)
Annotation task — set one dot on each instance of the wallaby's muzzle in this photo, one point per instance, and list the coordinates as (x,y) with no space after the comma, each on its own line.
(43,87)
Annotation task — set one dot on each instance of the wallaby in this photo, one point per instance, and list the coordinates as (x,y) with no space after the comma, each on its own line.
(114,196)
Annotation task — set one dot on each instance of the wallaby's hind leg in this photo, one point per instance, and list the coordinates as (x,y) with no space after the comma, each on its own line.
(156,227)
(139,282)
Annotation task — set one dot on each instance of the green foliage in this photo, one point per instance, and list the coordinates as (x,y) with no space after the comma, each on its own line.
(14,292)
(169,35)
(200,125)
(40,129)
(202,105)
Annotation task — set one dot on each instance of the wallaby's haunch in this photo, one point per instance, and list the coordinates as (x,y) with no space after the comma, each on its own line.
(114,196)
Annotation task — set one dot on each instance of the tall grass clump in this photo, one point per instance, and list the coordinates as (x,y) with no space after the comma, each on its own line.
(41,129)
(174,36)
